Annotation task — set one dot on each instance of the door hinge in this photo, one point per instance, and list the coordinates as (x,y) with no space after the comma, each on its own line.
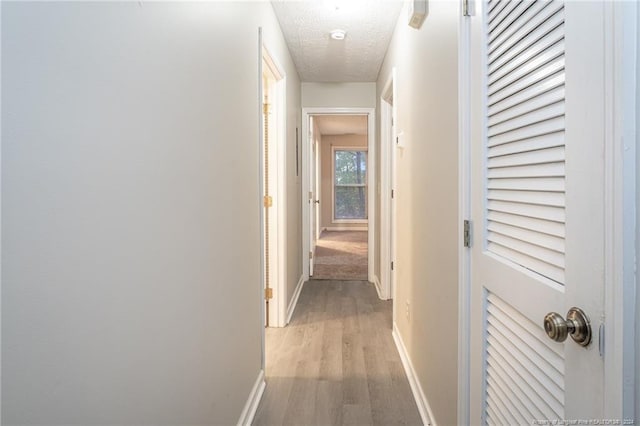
(267,201)
(467,233)
(268,293)
(310,195)
(310,255)
(393,193)
(467,8)
(392,266)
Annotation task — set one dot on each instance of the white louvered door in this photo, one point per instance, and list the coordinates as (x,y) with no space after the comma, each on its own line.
(537,206)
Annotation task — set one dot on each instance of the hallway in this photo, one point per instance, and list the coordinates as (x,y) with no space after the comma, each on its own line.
(336,362)
(341,255)
(167,169)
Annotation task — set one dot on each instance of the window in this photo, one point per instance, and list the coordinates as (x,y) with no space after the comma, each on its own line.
(350,184)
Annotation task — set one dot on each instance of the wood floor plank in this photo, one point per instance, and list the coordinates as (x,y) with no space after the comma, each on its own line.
(336,362)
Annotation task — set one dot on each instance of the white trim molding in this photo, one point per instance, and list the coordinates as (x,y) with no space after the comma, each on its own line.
(294,299)
(277,185)
(621,61)
(464,213)
(378,286)
(346,228)
(250,408)
(388,118)
(371,180)
(421,400)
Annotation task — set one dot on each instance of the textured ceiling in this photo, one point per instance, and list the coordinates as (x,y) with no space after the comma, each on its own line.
(306,26)
(341,124)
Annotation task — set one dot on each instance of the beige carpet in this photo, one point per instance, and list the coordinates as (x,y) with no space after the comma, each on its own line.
(341,255)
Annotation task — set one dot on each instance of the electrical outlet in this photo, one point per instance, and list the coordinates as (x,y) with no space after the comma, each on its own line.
(408,310)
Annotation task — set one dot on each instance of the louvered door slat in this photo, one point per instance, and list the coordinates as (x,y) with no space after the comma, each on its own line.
(525,137)
(543,226)
(554,214)
(546,407)
(543,240)
(499,345)
(536,351)
(526,184)
(535,78)
(518,409)
(506,15)
(548,83)
(553,125)
(532,144)
(494,3)
(525,248)
(523,69)
(541,156)
(498,415)
(512,413)
(534,55)
(536,170)
(525,373)
(539,198)
(539,115)
(531,412)
(534,17)
(497,7)
(542,100)
(492,418)
(499,42)
(553,272)
(547,34)
(497,37)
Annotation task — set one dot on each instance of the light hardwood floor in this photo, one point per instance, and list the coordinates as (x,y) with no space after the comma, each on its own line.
(336,362)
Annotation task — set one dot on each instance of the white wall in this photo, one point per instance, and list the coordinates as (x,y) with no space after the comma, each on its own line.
(326,172)
(427,199)
(352,95)
(277,46)
(637,282)
(130,210)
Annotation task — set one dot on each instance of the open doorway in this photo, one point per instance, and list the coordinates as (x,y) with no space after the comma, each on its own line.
(342,223)
(389,143)
(340,199)
(273,193)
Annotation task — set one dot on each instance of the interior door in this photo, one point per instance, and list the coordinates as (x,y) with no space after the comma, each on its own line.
(318,179)
(313,219)
(537,207)
(393,204)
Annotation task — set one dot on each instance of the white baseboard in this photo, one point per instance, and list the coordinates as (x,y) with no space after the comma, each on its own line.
(346,228)
(250,408)
(418,393)
(294,300)
(378,286)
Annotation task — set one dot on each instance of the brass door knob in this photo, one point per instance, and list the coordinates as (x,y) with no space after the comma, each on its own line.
(576,325)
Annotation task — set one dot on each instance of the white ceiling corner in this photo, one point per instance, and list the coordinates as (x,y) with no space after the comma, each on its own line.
(306,25)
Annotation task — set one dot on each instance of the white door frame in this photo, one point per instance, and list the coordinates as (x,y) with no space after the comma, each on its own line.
(388,114)
(278,212)
(306,179)
(464,213)
(621,71)
(621,26)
